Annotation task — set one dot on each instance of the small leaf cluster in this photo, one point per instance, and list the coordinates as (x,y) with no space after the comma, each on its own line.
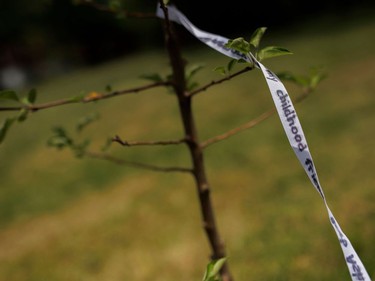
(61,139)
(11,95)
(226,70)
(309,81)
(83,122)
(251,47)
(213,269)
(26,102)
(156,78)
(190,74)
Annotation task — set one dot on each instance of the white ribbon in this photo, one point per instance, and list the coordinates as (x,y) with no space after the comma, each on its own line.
(292,127)
(297,140)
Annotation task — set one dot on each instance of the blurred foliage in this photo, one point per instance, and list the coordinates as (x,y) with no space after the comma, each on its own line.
(33,30)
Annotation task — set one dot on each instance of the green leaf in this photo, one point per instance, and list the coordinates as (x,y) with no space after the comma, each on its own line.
(191,71)
(312,80)
(272,51)
(166,2)
(155,77)
(257,36)
(58,142)
(221,70)
(218,264)
(60,139)
(288,76)
(231,64)
(9,95)
(213,269)
(31,96)
(22,115)
(86,120)
(239,44)
(192,85)
(4,127)
(300,80)
(315,79)
(316,75)
(207,275)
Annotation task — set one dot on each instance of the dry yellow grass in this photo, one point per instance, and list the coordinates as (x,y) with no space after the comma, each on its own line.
(87,220)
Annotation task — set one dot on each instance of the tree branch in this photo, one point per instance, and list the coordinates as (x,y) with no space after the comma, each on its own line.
(126,91)
(219,81)
(149,167)
(251,123)
(137,143)
(88,98)
(239,129)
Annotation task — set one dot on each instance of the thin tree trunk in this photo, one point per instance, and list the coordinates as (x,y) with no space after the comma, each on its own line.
(196,151)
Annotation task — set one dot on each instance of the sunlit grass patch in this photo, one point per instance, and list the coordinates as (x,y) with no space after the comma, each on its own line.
(64,218)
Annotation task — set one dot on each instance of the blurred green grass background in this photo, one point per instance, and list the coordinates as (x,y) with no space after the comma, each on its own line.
(63,218)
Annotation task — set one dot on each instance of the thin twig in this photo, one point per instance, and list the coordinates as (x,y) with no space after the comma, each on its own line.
(239,129)
(126,91)
(88,98)
(216,82)
(144,166)
(136,143)
(251,123)
(37,107)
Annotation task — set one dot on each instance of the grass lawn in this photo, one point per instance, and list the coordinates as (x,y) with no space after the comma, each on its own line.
(63,218)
